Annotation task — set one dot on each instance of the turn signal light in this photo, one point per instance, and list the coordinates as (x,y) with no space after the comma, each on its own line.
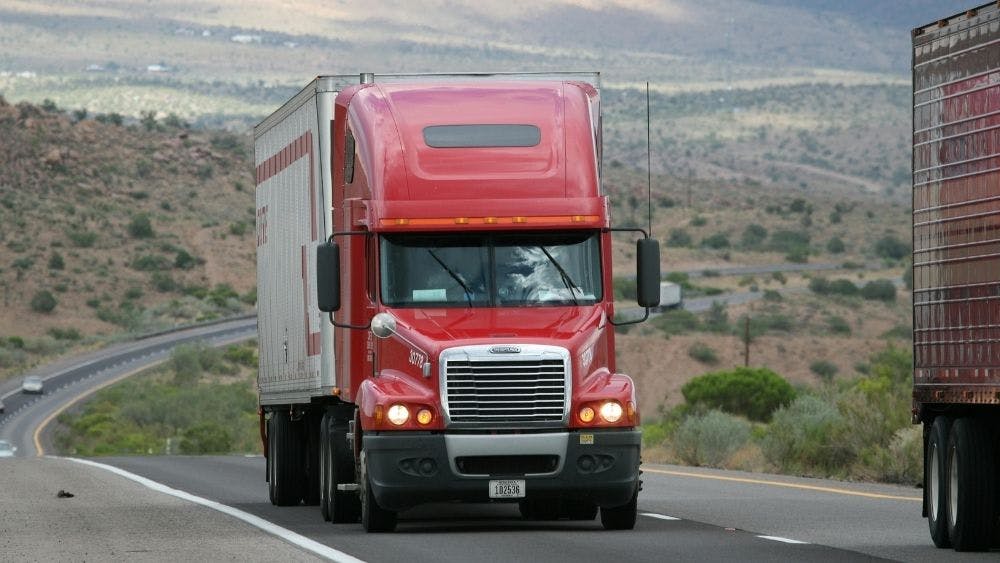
(398,414)
(586,414)
(424,416)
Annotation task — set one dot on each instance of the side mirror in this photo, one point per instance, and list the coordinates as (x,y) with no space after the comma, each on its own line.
(328,277)
(647,272)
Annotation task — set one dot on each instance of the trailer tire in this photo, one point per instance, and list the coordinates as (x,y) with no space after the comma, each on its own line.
(971,494)
(285,459)
(374,518)
(935,484)
(621,517)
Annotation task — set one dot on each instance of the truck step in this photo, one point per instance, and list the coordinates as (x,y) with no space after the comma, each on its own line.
(347,487)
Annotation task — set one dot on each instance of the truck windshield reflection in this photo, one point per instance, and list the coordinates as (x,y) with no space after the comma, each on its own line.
(491,270)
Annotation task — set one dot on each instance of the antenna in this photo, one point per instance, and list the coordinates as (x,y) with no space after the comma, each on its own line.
(649,169)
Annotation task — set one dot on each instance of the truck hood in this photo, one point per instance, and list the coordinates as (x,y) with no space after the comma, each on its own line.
(485,325)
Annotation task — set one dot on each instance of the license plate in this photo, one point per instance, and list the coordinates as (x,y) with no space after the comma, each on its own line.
(507,489)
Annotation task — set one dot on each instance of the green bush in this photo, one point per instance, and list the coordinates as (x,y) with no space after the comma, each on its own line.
(823,286)
(698,221)
(710,439)
(206,438)
(903,461)
(653,435)
(81,238)
(716,241)
(703,353)
(43,301)
(238,228)
(717,318)
(838,325)
(879,290)
(835,246)
(141,227)
(772,296)
(150,263)
(891,248)
(56,261)
(824,369)
(65,333)
(677,321)
(789,242)
(184,260)
(242,355)
(678,238)
(624,289)
(753,237)
(163,283)
(802,438)
(751,392)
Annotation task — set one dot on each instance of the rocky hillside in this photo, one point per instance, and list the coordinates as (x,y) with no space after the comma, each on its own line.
(110,227)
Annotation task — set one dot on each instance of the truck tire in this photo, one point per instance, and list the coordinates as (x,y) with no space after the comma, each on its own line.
(285,457)
(935,485)
(324,467)
(345,506)
(971,494)
(621,517)
(374,518)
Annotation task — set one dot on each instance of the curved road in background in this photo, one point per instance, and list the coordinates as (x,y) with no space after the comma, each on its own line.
(686,514)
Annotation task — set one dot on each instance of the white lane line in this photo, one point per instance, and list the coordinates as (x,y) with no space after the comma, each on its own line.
(659,516)
(269,527)
(783,540)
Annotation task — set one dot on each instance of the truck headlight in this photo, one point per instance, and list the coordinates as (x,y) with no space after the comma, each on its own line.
(399,414)
(611,411)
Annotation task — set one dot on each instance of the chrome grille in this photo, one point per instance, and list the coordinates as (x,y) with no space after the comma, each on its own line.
(519,388)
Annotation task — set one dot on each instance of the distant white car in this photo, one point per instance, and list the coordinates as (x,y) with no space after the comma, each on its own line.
(6,450)
(32,384)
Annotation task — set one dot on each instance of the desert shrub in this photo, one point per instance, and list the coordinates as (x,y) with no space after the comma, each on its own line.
(163,283)
(703,353)
(838,325)
(184,260)
(679,238)
(716,241)
(789,242)
(772,296)
(711,438)
(677,321)
(242,355)
(150,263)
(751,392)
(134,292)
(190,361)
(206,438)
(903,461)
(717,318)
(624,289)
(43,301)
(823,286)
(802,438)
(238,228)
(891,248)
(250,297)
(824,369)
(753,237)
(140,226)
(879,290)
(835,246)
(653,434)
(698,221)
(779,277)
(56,261)
(221,294)
(69,333)
(81,238)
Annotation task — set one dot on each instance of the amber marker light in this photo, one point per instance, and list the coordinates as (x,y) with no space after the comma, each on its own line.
(398,414)
(630,411)
(424,417)
(379,413)
(586,414)
(611,411)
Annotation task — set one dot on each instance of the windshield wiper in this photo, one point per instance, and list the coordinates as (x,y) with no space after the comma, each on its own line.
(454,276)
(567,281)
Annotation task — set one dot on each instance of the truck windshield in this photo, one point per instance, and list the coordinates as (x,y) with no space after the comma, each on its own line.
(489,269)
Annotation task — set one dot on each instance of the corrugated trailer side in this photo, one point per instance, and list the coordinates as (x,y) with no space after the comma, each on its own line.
(956,271)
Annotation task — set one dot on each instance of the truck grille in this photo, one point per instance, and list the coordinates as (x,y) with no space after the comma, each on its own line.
(505,390)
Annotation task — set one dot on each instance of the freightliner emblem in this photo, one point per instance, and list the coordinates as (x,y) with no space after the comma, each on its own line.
(505,350)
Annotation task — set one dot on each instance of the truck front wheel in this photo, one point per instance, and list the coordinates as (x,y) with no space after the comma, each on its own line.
(374,518)
(970,473)
(621,517)
(935,485)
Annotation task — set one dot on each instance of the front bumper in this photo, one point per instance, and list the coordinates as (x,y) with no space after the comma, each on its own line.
(409,469)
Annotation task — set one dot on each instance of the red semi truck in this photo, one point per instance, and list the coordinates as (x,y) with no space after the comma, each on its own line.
(956,273)
(435,303)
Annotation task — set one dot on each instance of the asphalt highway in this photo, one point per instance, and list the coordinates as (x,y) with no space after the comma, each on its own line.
(687,514)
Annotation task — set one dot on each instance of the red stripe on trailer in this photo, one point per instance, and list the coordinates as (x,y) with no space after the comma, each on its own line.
(278,162)
(312,338)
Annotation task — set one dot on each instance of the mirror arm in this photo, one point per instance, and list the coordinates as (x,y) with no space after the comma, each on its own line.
(345,325)
(632,322)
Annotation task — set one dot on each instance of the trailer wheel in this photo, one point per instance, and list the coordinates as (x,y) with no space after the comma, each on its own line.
(324,467)
(970,473)
(935,484)
(374,518)
(621,517)
(285,457)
